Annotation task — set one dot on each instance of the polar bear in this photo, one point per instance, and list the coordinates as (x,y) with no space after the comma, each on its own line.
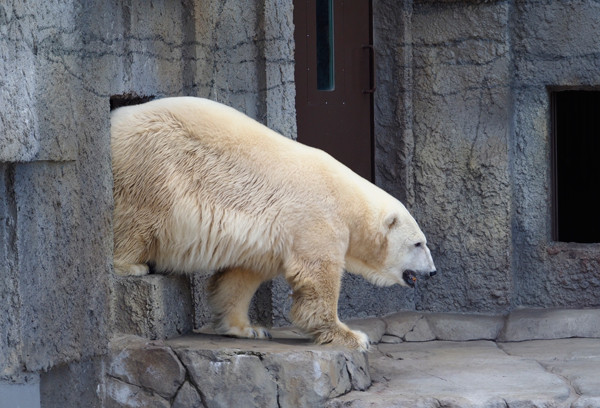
(201,187)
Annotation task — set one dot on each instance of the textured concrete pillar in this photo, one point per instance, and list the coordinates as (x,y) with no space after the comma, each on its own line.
(462,119)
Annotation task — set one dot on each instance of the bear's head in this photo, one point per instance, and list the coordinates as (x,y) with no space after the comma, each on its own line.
(395,252)
(408,258)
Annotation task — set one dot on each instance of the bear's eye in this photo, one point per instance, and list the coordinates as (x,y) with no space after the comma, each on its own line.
(418,244)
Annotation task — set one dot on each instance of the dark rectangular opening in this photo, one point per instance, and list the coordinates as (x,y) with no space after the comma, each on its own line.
(128,99)
(576,165)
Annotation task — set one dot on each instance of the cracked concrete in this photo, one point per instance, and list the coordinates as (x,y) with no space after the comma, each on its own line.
(576,361)
(481,374)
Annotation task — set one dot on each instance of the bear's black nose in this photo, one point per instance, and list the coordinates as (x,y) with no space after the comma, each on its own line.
(432,273)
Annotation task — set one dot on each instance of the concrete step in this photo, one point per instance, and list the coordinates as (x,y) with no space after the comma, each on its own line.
(540,324)
(152,306)
(519,325)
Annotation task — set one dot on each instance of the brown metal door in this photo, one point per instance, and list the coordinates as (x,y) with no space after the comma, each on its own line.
(334,79)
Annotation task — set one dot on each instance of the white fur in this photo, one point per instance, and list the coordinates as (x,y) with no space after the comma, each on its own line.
(201,187)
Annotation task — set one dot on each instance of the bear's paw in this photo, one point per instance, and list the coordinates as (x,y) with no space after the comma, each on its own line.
(248,332)
(125,269)
(343,336)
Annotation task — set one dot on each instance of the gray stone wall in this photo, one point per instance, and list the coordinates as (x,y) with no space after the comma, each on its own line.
(461,129)
(554,45)
(442,124)
(60,63)
(242,54)
(56,202)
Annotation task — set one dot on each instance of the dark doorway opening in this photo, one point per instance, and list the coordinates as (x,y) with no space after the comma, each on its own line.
(127,99)
(576,165)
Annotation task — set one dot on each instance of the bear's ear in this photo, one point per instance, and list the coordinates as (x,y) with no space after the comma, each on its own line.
(391,221)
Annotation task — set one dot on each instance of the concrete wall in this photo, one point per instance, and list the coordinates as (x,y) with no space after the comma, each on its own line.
(442,127)
(56,193)
(461,130)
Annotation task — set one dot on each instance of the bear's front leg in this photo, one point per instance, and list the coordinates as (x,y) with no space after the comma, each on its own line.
(316,287)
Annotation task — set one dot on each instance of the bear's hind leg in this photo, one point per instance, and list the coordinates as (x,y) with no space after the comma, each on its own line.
(129,253)
(230,293)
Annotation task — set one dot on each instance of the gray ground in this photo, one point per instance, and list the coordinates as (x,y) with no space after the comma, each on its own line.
(537,373)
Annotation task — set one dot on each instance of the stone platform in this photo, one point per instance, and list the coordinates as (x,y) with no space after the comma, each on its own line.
(482,374)
(530,358)
(203,370)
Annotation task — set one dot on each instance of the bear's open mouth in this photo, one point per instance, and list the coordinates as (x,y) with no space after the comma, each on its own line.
(410,278)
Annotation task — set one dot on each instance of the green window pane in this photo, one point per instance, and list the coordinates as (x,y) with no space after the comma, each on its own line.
(325,61)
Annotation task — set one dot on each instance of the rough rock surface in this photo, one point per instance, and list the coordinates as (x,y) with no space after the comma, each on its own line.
(463,137)
(461,186)
(547,55)
(409,326)
(61,63)
(460,327)
(123,395)
(575,360)
(147,365)
(187,397)
(288,371)
(152,306)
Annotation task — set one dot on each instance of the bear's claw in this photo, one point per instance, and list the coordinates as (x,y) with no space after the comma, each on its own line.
(259,333)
